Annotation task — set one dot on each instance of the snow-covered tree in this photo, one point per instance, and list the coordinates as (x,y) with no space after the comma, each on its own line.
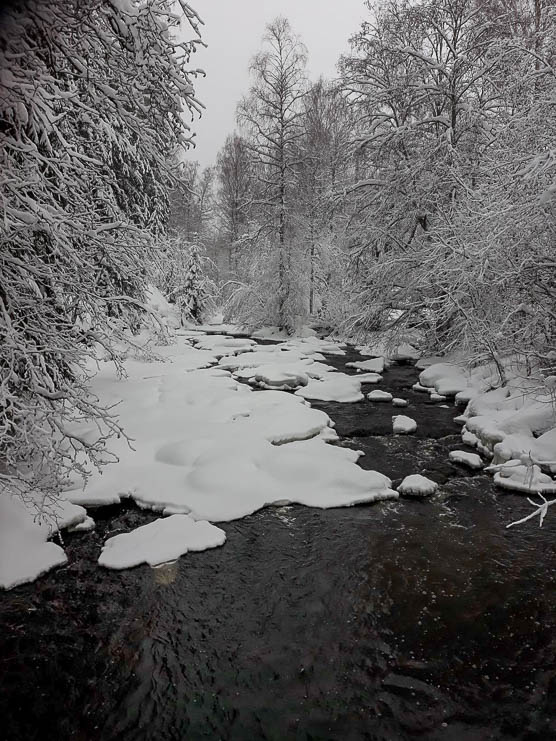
(271,117)
(453,121)
(92,96)
(322,175)
(235,194)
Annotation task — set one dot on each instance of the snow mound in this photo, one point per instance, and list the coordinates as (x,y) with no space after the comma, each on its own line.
(25,552)
(417,486)
(403,425)
(471,460)
(160,541)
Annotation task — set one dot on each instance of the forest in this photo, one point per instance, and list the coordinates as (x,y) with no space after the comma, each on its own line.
(414,193)
(395,223)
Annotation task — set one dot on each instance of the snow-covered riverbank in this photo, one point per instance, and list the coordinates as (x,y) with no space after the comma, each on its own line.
(204,447)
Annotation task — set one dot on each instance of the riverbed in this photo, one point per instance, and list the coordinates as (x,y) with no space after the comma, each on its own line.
(410,619)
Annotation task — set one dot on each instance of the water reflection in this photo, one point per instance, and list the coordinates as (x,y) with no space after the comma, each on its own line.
(165,574)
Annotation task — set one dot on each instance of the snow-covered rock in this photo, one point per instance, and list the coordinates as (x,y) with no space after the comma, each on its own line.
(403,425)
(163,540)
(378,395)
(471,460)
(417,486)
(397,402)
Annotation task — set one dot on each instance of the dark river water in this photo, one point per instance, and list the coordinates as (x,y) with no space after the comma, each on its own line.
(415,619)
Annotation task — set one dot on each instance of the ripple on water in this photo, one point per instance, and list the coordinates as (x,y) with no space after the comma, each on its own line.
(401,620)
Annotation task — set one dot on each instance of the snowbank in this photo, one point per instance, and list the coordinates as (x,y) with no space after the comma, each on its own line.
(25,552)
(514,424)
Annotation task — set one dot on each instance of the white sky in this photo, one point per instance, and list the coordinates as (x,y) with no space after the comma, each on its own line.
(233,31)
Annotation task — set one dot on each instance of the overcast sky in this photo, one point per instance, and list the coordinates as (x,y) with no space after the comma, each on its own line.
(233,31)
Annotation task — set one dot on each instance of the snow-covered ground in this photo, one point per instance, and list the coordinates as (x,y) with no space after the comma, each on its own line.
(203,447)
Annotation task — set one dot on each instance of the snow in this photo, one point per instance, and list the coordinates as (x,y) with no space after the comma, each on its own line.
(264,356)
(206,445)
(397,402)
(374,365)
(221,345)
(427,361)
(278,333)
(369,377)
(528,479)
(160,541)
(271,376)
(404,351)
(85,526)
(403,425)
(378,395)
(471,460)
(224,478)
(418,387)
(437,397)
(333,387)
(312,345)
(447,379)
(25,552)
(270,333)
(416,485)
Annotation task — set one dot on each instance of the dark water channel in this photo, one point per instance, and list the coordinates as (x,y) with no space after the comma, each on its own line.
(414,619)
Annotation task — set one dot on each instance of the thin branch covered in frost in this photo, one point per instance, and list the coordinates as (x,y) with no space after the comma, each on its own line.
(540,510)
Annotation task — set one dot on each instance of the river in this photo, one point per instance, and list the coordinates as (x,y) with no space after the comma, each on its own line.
(411,619)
